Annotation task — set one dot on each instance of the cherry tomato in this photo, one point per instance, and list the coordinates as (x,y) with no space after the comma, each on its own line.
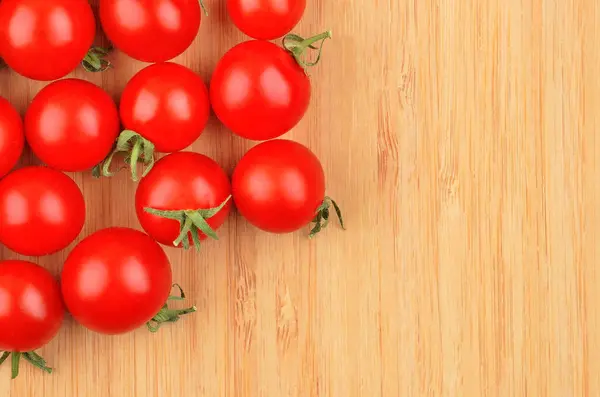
(259,91)
(45,39)
(71,125)
(167,104)
(266,19)
(163,108)
(279,186)
(31,310)
(116,280)
(188,184)
(11,137)
(151,30)
(41,211)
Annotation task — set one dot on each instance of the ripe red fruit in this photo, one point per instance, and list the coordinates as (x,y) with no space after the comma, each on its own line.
(183,199)
(31,312)
(279,186)
(117,280)
(41,211)
(164,108)
(45,39)
(266,19)
(72,125)
(261,91)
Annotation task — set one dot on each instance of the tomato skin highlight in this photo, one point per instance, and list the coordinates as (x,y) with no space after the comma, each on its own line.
(32,308)
(151,30)
(167,104)
(259,91)
(71,125)
(266,19)
(45,39)
(12,138)
(181,181)
(278,186)
(41,211)
(116,280)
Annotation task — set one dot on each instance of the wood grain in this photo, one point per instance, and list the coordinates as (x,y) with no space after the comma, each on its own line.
(459,136)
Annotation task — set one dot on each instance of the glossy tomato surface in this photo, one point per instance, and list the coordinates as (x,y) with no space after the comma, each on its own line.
(181,181)
(259,91)
(41,211)
(45,39)
(71,125)
(151,30)
(167,104)
(278,186)
(116,280)
(11,137)
(266,19)
(32,309)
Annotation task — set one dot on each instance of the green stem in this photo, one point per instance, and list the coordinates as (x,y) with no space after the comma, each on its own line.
(37,361)
(297,46)
(135,148)
(168,315)
(95,60)
(191,223)
(321,220)
(183,234)
(32,357)
(16,356)
(203,8)
(135,156)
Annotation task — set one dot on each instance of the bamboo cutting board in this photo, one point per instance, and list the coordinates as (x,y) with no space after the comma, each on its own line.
(460,139)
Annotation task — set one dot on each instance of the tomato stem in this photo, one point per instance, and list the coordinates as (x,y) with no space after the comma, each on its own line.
(203,8)
(297,45)
(321,220)
(167,315)
(136,149)
(31,357)
(191,223)
(95,60)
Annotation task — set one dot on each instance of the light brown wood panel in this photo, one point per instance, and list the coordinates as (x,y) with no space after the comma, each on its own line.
(459,137)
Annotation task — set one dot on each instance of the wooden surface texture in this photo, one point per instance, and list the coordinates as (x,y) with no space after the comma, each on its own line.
(459,136)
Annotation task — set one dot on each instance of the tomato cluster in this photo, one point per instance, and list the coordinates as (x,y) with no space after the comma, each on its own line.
(118,279)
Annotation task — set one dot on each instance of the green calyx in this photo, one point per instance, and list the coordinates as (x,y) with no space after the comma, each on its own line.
(95,60)
(32,357)
(323,213)
(298,45)
(191,222)
(136,150)
(167,315)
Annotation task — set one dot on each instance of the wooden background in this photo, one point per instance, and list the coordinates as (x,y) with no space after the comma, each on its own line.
(460,139)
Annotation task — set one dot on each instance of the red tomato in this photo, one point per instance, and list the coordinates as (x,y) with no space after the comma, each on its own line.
(179,182)
(31,310)
(71,125)
(266,19)
(151,30)
(11,137)
(167,104)
(116,280)
(41,211)
(279,186)
(45,39)
(259,91)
